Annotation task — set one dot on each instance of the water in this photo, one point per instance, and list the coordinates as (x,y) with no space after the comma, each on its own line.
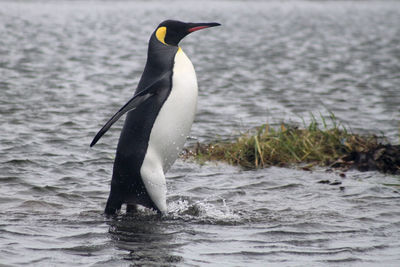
(66,67)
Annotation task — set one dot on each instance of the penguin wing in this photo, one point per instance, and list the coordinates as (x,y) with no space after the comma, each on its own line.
(135,101)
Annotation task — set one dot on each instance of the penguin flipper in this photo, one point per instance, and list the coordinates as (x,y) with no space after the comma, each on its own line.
(132,104)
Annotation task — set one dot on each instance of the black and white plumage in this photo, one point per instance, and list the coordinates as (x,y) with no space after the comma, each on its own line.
(159,119)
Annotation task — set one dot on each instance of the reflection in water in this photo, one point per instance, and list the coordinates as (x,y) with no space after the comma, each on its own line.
(147,238)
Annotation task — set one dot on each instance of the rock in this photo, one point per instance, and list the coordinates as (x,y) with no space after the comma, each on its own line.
(336,182)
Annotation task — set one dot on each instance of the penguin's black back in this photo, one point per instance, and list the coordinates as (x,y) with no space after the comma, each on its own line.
(127,185)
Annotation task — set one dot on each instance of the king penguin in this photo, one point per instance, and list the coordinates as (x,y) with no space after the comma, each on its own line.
(159,119)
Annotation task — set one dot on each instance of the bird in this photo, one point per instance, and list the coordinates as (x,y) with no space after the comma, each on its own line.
(159,118)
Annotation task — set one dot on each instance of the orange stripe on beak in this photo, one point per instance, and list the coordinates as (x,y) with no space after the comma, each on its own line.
(197,28)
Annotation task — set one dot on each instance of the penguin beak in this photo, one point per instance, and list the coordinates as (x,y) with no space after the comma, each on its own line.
(199,26)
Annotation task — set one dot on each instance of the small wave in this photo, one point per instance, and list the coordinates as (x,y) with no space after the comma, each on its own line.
(44,189)
(86,249)
(343,260)
(40,205)
(81,236)
(21,162)
(286,186)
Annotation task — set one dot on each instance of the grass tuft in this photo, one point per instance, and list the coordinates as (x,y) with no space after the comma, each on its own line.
(287,145)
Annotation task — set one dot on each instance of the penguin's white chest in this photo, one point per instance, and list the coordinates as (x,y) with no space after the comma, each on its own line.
(170,129)
(176,116)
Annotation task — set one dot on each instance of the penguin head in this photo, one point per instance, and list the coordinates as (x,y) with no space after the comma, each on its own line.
(171,32)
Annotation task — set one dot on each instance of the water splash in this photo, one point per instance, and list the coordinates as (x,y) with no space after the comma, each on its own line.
(203,212)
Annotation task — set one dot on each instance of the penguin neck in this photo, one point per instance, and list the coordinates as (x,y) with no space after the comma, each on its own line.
(160,59)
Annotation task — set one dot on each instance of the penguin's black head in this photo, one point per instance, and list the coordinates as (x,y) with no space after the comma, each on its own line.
(171,32)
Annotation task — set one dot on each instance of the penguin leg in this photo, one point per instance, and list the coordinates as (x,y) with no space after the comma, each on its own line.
(114,201)
(131,208)
(112,206)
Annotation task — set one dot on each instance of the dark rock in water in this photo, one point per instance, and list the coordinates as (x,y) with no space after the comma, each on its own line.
(383,158)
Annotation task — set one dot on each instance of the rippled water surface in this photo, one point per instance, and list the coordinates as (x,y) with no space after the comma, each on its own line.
(66,67)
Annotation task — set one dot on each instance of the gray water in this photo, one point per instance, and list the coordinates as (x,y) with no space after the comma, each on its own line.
(66,67)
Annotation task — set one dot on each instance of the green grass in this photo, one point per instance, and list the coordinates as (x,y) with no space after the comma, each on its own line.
(315,144)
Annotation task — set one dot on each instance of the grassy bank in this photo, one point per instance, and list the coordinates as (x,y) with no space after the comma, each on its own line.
(315,144)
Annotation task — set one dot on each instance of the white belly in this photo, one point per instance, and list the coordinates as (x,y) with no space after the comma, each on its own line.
(170,129)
